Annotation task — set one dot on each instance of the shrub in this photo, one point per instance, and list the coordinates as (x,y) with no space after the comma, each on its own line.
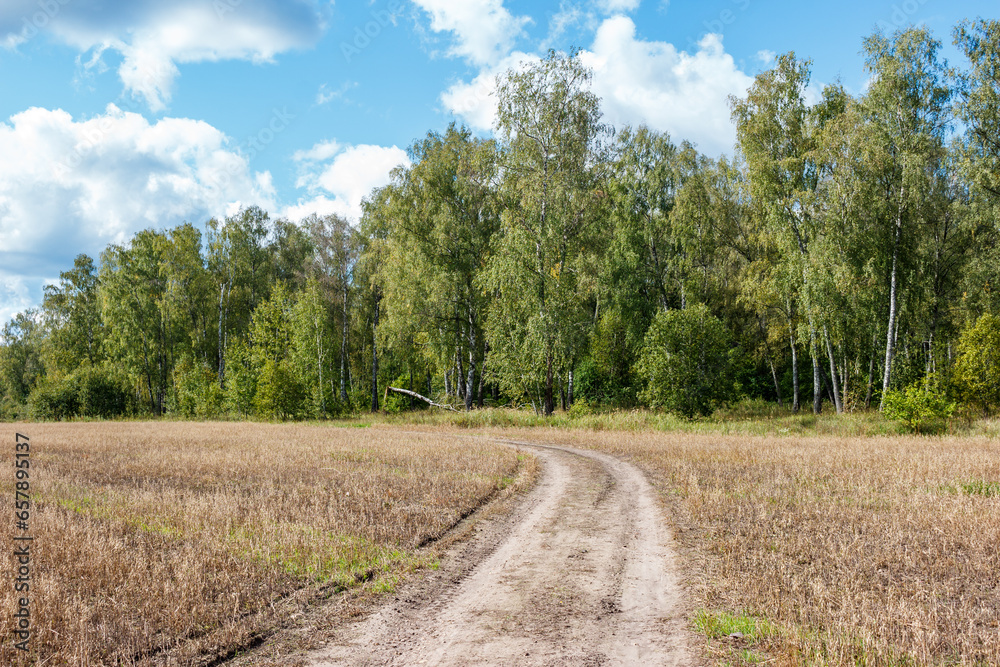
(54,398)
(101,393)
(196,390)
(581,408)
(921,407)
(685,361)
(280,394)
(977,369)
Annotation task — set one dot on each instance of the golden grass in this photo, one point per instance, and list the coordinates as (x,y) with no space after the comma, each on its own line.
(153,536)
(859,551)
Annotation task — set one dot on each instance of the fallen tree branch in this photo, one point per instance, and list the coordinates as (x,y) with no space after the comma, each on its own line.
(422,398)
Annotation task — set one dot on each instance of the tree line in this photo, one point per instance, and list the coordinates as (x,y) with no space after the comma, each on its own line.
(848,250)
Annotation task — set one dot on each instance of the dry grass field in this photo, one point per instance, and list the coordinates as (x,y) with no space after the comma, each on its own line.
(830,550)
(168,541)
(159,542)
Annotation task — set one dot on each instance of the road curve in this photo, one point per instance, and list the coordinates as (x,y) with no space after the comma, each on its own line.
(582,573)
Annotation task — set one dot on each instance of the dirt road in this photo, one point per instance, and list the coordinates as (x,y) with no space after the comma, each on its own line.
(582,573)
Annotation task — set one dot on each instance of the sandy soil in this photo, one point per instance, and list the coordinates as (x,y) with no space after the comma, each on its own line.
(581,573)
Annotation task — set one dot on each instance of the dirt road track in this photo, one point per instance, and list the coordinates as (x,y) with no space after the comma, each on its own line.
(582,573)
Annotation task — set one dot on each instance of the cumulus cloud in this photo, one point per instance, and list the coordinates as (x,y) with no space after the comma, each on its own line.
(475,101)
(153,37)
(338,177)
(484,29)
(78,185)
(654,83)
(639,82)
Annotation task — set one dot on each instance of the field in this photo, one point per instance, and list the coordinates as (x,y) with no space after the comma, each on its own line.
(829,550)
(158,542)
(171,541)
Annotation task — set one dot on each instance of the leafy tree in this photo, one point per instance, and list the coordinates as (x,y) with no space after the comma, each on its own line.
(21,365)
(72,315)
(907,108)
(685,361)
(777,141)
(241,264)
(312,347)
(336,245)
(241,380)
(551,136)
(279,388)
(977,369)
(979,105)
(133,292)
(440,217)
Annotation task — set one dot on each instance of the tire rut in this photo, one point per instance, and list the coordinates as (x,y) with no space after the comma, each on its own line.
(581,574)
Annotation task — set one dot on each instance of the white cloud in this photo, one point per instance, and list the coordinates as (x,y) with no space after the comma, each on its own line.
(654,83)
(639,82)
(766,56)
(475,101)
(484,29)
(15,296)
(618,6)
(153,37)
(78,185)
(339,177)
(324,95)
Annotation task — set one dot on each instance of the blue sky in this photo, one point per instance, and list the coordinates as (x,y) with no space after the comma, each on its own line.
(119,115)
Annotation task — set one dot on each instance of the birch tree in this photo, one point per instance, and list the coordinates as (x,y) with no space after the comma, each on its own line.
(549,125)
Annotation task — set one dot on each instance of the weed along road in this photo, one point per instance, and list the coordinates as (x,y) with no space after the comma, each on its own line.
(580,573)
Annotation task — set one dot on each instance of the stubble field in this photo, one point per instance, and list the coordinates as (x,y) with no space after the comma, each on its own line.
(829,550)
(182,542)
(173,542)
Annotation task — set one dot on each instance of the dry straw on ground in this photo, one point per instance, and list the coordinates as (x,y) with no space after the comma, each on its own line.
(859,551)
(185,539)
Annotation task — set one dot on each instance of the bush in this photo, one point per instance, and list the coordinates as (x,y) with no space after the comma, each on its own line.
(55,398)
(581,408)
(685,362)
(101,393)
(87,392)
(977,369)
(280,394)
(196,390)
(921,407)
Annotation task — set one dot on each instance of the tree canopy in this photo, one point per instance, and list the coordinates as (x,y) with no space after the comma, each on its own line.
(853,237)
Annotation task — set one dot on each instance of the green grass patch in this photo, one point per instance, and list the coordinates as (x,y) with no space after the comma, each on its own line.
(976,487)
(718,624)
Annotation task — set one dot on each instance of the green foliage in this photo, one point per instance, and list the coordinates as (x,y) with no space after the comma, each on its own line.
(21,364)
(196,390)
(921,407)
(89,392)
(280,394)
(581,408)
(723,624)
(980,104)
(977,370)
(241,380)
(842,230)
(102,393)
(685,362)
(55,398)
(541,270)
(614,347)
